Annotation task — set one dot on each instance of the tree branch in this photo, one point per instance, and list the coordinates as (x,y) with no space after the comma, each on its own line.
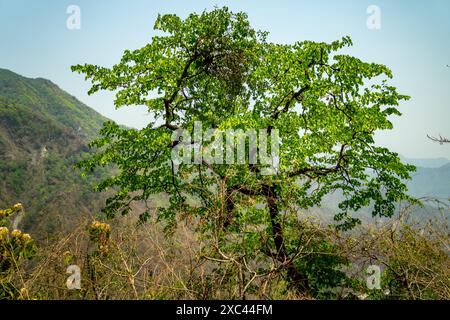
(441,139)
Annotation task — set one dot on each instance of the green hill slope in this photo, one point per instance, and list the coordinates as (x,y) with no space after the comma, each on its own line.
(43,132)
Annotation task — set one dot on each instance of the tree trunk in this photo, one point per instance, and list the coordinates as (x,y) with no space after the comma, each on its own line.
(297,281)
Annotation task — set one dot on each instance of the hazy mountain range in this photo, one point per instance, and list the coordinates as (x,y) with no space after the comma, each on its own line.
(432,178)
(426,163)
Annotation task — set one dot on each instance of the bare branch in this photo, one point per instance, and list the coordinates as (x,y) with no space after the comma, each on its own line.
(441,139)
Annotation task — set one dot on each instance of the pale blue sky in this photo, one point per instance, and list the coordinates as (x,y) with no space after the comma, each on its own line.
(413,41)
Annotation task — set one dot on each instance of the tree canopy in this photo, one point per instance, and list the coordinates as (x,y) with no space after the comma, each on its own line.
(214,68)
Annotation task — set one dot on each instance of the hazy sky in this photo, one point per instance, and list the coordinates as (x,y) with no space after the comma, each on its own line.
(413,41)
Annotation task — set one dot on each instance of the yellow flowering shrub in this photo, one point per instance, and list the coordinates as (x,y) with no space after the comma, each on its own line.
(9,212)
(100,233)
(15,247)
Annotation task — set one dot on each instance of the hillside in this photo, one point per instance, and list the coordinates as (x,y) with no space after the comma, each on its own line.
(43,133)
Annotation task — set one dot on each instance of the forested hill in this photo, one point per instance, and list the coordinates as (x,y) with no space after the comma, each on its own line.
(43,133)
(43,102)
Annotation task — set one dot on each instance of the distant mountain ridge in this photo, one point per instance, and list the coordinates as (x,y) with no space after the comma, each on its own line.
(426,163)
(431,182)
(432,178)
(45,100)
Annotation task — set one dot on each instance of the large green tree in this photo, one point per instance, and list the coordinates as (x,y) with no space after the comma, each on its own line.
(214,68)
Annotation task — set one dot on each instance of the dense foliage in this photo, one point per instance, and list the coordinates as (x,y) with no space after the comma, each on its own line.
(215,68)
